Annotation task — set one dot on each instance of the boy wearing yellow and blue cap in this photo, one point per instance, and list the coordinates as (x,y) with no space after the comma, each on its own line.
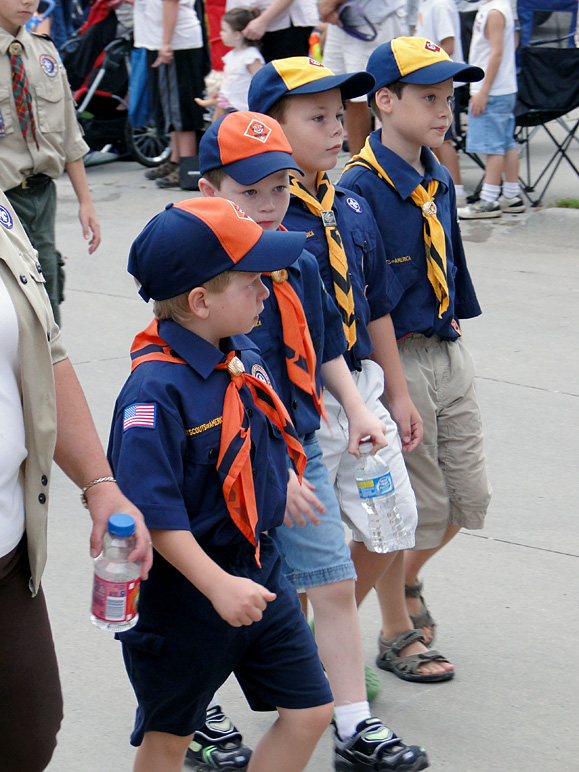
(246,157)
(199,437)
(306,98)
(413,199)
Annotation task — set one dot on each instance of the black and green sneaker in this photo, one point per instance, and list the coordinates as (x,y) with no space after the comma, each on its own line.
(375,748)
(218,745)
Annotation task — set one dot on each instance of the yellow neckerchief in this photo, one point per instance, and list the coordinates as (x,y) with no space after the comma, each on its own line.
(322,207)
(434,240)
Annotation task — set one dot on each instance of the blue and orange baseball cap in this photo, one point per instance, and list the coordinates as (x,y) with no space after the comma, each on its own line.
(418,61)
(191,242)
(301,75)
(247,146)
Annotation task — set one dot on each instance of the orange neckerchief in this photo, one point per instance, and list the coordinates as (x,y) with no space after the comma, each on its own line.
(300,356)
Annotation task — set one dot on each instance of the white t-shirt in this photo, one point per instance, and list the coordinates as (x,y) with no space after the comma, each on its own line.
(148,26)
(506,79)
(236,76)
(12,443)
(301,13)
(438,20)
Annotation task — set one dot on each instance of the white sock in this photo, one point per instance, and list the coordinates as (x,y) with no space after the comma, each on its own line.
(459,190)
(511,189)
(349,716)
(490,192)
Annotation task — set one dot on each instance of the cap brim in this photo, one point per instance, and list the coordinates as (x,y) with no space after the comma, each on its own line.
(248,171)
(351,85)
(274,250)
(436,73)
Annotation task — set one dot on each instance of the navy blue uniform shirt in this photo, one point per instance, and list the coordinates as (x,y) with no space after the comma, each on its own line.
(376,290)
(326,329)
(165,439)
(401,225)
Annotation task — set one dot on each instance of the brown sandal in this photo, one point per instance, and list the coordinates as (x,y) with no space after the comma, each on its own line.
(406,667)
(424,618)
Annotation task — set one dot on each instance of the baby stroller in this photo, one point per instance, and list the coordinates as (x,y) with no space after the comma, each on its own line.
(98,64)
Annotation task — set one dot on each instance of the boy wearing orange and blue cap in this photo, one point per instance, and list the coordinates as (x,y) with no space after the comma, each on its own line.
(246,157)
(199,437)
(413,199)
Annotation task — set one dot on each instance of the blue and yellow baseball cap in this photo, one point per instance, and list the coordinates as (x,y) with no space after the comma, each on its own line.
(247,146)
(191,242)
(301,75)
(418,61)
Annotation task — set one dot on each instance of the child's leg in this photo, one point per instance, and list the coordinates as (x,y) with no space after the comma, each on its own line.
(289,743)
(161,752)
(339,639)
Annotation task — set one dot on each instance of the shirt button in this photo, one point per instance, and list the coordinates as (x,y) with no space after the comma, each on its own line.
(254,471)
(48,337)
(42,498)
(249,411)
(23,279)
(295,404)
(38,267)
(213,453)
(44,479)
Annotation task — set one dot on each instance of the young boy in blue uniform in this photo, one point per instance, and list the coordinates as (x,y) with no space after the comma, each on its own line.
(245,157)
(306,98)
(413,199)
(198,439)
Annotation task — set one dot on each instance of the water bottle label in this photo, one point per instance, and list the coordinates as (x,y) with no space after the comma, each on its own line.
(377,486)
(115,601)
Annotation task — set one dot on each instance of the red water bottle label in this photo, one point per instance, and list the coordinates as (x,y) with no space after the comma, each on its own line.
(115,601)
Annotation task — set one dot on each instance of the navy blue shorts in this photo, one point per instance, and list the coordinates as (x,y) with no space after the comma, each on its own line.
(181,651)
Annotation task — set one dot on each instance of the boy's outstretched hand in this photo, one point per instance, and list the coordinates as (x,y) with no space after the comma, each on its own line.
(240,601)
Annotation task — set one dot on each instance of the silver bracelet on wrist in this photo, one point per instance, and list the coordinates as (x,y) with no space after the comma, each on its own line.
(90,485)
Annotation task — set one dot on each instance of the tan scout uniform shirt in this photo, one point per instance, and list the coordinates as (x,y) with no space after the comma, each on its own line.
(40,347)
(57,130)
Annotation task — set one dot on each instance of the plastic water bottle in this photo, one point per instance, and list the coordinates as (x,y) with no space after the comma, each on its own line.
(387,529)
(115,597)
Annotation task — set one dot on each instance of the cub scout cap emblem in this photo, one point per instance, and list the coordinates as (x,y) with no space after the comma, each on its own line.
(429,208)
(236,367)
(257,130)
(430,46)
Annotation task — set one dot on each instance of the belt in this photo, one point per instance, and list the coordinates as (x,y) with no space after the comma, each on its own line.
(35,181)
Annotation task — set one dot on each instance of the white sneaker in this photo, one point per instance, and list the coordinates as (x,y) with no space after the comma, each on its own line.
(480,210)
(514,205)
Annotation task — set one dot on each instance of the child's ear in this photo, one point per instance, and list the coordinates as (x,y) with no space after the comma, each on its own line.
(384,99)
(197,301)
(207,189)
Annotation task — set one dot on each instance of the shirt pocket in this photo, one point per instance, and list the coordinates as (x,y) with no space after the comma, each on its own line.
(6,110)
(203,443)
(49,105)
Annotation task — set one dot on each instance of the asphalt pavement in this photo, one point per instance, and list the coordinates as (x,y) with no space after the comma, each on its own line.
(505,598)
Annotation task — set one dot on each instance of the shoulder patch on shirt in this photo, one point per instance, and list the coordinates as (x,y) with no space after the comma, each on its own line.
(140,414)
(354,204)
(6,218)
(259,372)
(49,65)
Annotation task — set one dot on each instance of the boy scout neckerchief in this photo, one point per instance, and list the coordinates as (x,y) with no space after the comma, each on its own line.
(434,241)
(300,356)
(234,460)
(322,207)
(21,91)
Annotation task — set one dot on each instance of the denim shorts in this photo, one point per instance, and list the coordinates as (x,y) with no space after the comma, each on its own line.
(492,132)
(314,555)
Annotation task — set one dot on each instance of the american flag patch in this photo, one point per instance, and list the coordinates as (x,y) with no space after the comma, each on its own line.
(140,414)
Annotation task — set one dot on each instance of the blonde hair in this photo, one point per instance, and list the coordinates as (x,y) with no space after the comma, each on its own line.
(177,308)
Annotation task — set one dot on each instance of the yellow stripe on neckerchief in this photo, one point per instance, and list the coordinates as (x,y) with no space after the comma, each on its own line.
(434,241)
(322,207)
